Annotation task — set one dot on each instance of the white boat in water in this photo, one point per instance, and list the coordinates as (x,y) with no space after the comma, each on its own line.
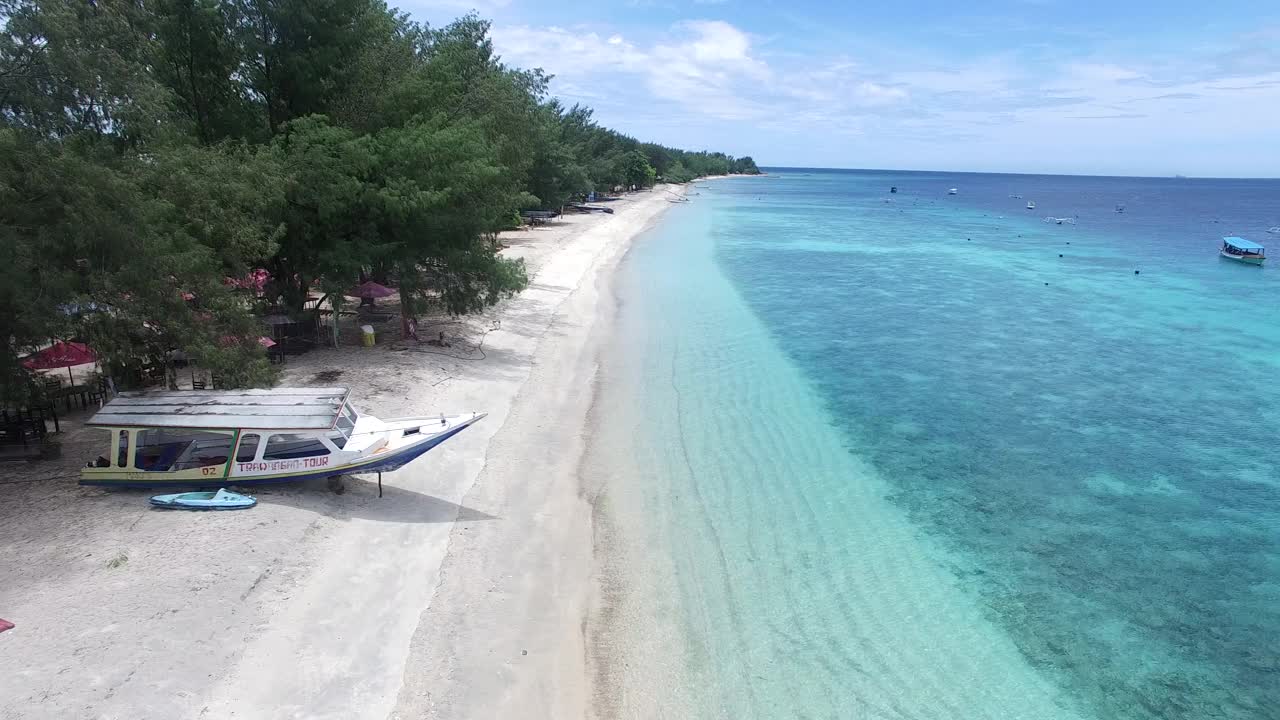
(952,191)
(1060,220)
(1031,204)
(1275,229)
(202,438)
(1241,250)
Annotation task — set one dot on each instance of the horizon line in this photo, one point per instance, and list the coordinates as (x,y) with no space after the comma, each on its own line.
(1034,174)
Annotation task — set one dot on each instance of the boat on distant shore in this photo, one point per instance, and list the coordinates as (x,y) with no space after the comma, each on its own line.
(1241,250)
(1031,204)
(204,438)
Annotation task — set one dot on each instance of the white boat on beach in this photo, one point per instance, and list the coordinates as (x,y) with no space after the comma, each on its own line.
(203,438)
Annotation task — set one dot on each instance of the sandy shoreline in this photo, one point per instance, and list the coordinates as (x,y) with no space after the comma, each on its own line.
(462,593)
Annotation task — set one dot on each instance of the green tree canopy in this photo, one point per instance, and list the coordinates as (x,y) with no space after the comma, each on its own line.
(149,150)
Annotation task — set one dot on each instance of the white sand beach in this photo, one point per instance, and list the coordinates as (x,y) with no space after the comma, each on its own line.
(460,594)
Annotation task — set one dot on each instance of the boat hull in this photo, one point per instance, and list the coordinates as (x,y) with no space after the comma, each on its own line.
(1243,259)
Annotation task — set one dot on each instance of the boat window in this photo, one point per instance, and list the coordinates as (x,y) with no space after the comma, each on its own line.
(339,439)
(283,447)
(123,455)
(163,449)
(248,450)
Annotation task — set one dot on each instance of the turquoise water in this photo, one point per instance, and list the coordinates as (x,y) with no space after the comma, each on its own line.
(935,457)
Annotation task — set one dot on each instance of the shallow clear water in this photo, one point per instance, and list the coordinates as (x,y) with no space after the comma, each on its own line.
(935,457)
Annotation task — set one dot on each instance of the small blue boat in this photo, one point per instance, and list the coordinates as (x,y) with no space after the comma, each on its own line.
(221,500)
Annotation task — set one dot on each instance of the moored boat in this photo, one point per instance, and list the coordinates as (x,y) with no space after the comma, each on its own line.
(1031,204)
(203,438)
(952,191)
(1241,250)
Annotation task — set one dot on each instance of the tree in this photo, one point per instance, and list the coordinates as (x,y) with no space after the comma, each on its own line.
(636,169)
(301,57)
(327,229)
(556,175)
(440,195)
(199,58)
(69,67)
(77,220)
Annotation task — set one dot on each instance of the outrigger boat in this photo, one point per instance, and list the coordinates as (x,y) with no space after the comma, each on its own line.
(203,438)
(1241,250)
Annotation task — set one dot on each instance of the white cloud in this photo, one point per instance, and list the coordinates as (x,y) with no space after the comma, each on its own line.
(877,94)
(713,75)
(702,68)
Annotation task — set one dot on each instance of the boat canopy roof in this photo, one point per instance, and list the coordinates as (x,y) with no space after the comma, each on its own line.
(274,409)
(1241,243)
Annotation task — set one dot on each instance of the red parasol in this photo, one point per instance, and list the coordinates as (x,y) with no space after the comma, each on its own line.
(263,340)
(371,290)
(61,355)
(256,280)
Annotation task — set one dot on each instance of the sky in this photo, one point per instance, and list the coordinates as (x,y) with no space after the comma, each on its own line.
(1118,87)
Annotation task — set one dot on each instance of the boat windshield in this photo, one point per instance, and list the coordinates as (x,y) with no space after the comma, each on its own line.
(343,427)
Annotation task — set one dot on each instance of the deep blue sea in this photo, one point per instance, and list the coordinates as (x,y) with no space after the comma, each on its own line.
(921,455)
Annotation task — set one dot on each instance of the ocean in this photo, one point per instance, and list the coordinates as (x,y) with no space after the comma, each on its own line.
(919,455)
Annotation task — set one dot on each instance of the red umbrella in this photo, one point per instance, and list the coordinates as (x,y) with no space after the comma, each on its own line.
(255,280)
(61,354)
(371,290)
(264,341)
